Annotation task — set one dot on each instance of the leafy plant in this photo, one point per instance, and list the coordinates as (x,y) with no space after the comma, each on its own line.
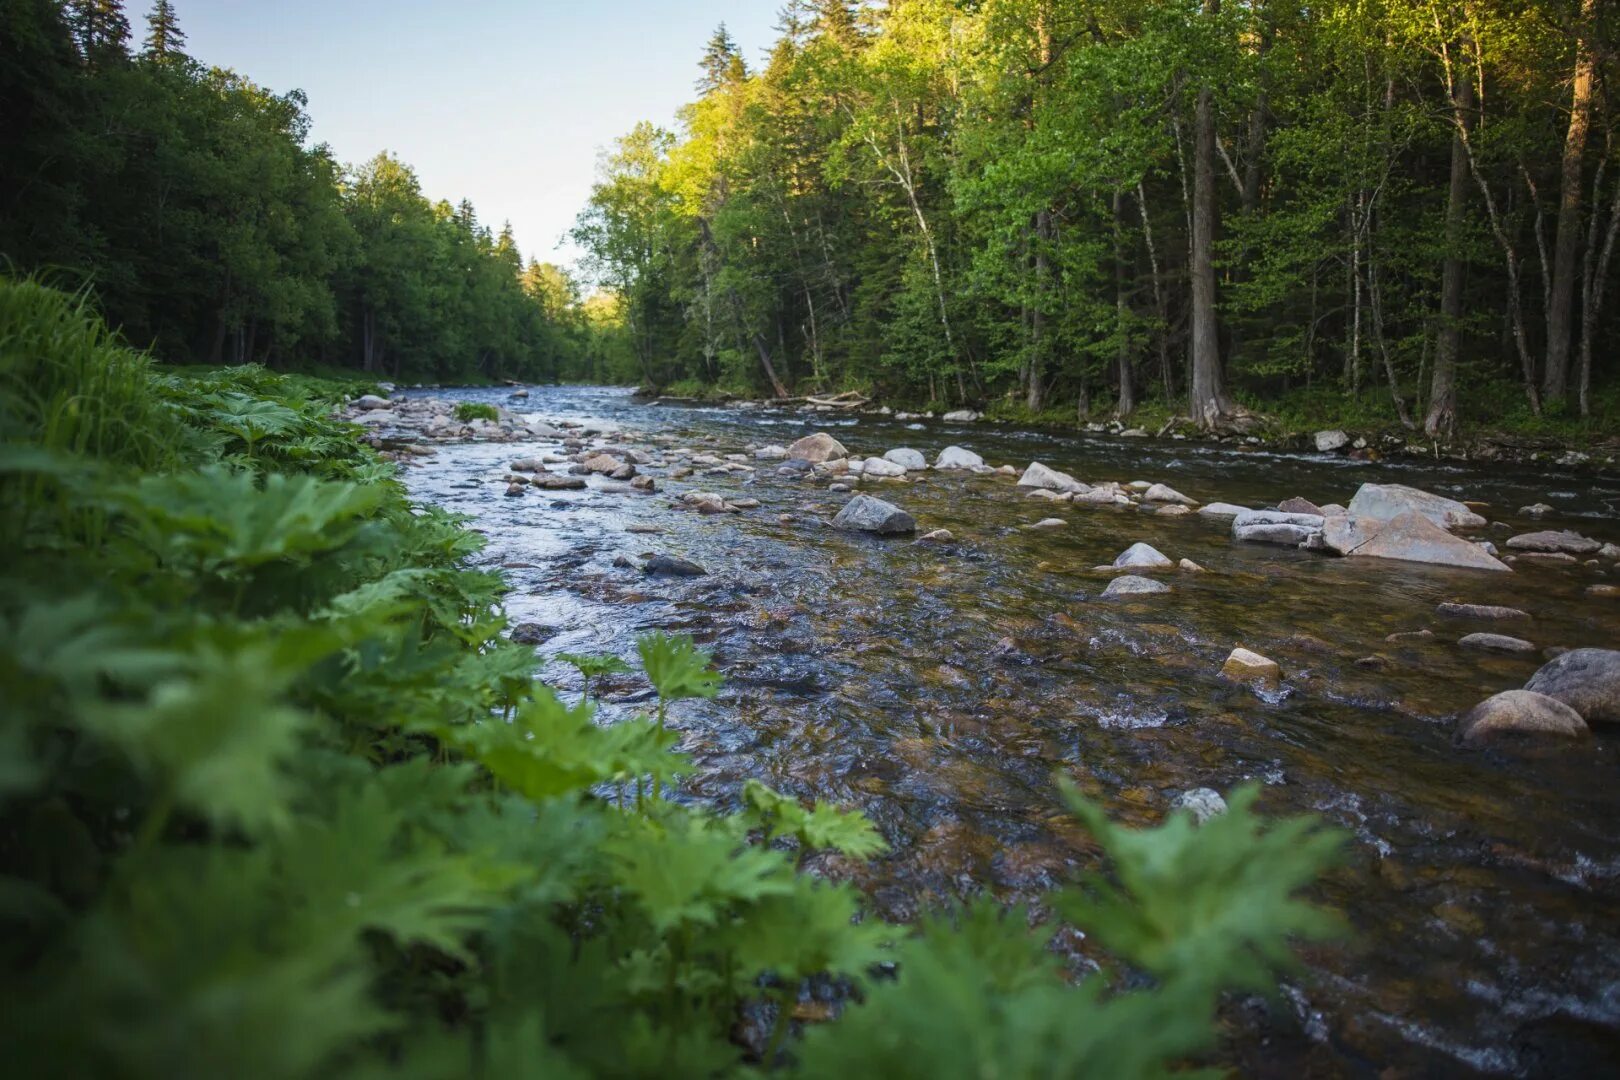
(468,411)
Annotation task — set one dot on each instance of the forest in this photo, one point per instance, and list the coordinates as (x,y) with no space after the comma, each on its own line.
(191,202)
(1361,208)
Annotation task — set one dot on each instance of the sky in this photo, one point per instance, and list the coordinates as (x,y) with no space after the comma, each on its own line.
(504,102)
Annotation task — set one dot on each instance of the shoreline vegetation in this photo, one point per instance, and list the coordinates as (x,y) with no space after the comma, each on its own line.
(280,798)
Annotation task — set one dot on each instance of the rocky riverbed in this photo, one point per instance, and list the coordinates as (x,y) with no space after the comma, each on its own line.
(931,620)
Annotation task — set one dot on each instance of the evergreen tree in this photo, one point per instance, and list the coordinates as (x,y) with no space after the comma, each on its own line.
(164,38)
(722,63)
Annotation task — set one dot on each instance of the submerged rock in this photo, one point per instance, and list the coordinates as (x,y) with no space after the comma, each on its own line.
(1563,541)
(1386,502)
(1519,713)
(817,448)
(1041,477)
(1250,667)
(556,482)
(672,566)
(1049,523)
(1143,555)
(955,457)
(1221,509)
(1496,643)
(532,633)
(1481,611)
(1276,527)
(863,513)
(1134,585)
(1587,680)
(937,536)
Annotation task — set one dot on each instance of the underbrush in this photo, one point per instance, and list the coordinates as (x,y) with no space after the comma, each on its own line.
(277,799)
(468,411)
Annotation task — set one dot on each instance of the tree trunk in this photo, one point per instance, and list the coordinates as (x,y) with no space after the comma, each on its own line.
(1442,416)
(1035,391)
(1209,404)
(1159,306)
(1125,404)
(1555,373)
(1595,281)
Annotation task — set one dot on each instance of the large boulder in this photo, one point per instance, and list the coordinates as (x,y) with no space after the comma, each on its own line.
(1587,680)
(863,513)
(955,457)
(909,459)
(817,448)
(876,466)
(1411,537)
(1554,540)
(1134,585)
(1250,667)
(371,401)
(1329,441)
(1143,555)
(1519,713)
(602,464)
(1164,493)
(1039,476)
(1386,502)
(1276,527)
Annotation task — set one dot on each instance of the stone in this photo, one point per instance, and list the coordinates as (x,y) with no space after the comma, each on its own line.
(1172,510)
(644,483)
(1222,509)
(1163,493)
(955,457)
(1040,477)
(1297,505)
(701,499)
(371,401)
(532,633)
(882,467)
(623,472)
(1519,713)
(602,463)
(1276,527)
(1496,643)
(1536,510)
(1202,803)
(1099,497)
(937,536)
(516,488)
(1386,502)
(838,487)
(961,416)
(1411,537)
(1410,635)
(745,504)
(1191,567)
(771,453)
(1587,680)
(817,448)
(672,566)
(1051,496)
(1143,555)
(1049,523)
(1609,551)
(376,418)
(1554,540)
(1250,667)
(1134,585)
(907,458)
(1603,590)
(527,465)
(1481,611)
(1329,441)
(863,513)
(557,482)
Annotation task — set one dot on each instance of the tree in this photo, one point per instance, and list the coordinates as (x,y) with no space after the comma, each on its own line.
(164,38)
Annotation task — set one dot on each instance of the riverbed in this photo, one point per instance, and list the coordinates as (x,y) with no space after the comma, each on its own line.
(941,689)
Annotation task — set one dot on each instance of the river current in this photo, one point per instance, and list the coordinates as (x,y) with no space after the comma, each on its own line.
(941,689)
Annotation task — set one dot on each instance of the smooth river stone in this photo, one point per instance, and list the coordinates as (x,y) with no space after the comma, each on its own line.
(1521,713)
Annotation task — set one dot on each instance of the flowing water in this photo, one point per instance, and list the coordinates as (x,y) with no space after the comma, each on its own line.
(942,688)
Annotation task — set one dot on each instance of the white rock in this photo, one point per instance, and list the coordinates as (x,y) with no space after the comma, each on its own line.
(1329,441)
(1140,554)
(955,457)
(1039,476)
(1166,494)
(907,458)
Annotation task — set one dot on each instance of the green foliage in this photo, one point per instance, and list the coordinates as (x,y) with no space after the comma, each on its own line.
(278,799)
(468,411)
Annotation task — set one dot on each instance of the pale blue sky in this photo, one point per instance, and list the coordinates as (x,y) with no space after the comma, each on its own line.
(504,102)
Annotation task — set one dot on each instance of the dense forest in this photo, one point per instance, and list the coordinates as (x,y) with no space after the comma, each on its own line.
(190,200)
(1406,210)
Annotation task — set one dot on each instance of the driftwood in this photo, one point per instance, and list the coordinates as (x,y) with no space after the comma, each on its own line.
(849,399)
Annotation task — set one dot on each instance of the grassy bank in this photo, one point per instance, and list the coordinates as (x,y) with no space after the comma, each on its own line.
(277,798)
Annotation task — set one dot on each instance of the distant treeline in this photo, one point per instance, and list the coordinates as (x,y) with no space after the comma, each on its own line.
(189,200)
(1397,206)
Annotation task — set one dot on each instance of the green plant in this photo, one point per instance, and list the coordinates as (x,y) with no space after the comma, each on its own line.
(277,798)
(468,411)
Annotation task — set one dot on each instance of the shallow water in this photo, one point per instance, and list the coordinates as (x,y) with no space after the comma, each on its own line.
(941,689)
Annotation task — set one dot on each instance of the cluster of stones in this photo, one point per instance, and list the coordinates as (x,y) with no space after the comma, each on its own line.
(1562,701)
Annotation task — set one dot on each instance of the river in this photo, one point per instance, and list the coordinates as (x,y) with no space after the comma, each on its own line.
(941,688)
